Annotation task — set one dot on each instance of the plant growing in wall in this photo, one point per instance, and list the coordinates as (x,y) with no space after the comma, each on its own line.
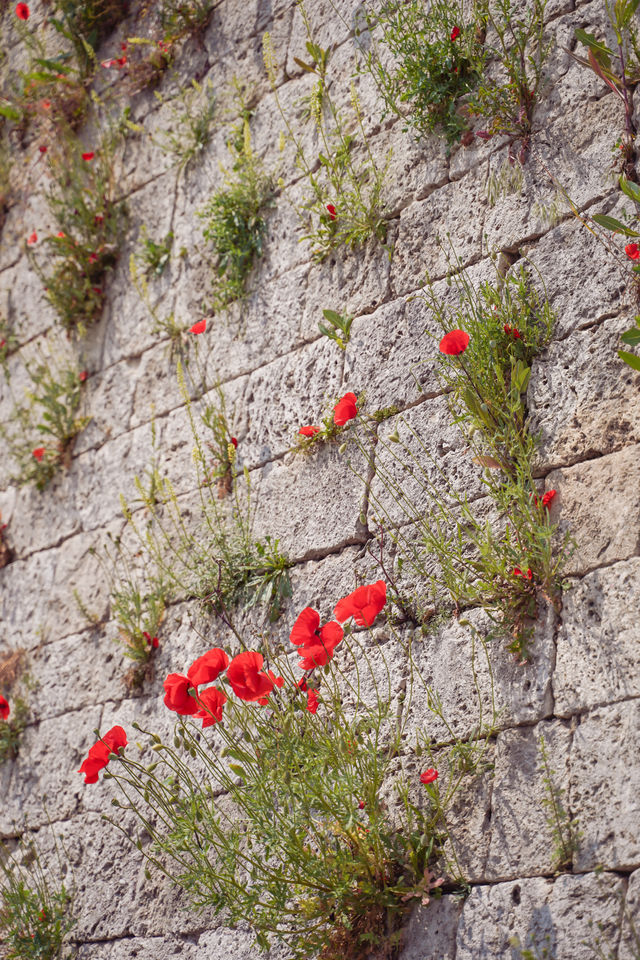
(437,57)
(90,221)
(193,117)
(34,909)
(233,218)
(46,422)
(13,707)
(308,848)
(344,204)
(508,104)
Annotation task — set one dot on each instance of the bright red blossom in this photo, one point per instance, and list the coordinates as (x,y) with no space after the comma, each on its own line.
(82,376)
(177,696)
(5,709)
(455,33)
(512,332)
(42,148)
(546,498)
(364,604)
(632,250)
(429,776)
(308,431)
(345,409)
(454,343)
(199,327)
(331,210)
(316,646)
(248,680)
(98,756)
(211,702)
(38,453)
(88,156)
(234,442)
(22,11)
(517,572)
(312,701)
(208,667)
(33,239)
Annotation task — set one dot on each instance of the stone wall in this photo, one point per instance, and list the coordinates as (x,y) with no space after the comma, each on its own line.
(582,688)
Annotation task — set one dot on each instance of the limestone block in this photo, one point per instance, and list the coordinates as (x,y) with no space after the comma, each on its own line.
(313,504)
(154,385)
(142,948)
(125,329)
(445,662)
(605,786)
(321,583)
(25,586)
(583,399)
(109,402)
(109,471)
(417,167)
(222,941)
(599,503)
(630,930)
(521,837)
(542,914)
(42,771)
(346,283)
(431,931)
(598,649)
(431,461)
(452,215)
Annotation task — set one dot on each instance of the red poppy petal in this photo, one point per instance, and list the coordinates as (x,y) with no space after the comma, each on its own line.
(454,342)
(199,327)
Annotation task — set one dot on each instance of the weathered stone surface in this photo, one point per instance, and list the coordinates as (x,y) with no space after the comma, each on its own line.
(605,787)
(542,914)
(598,658)
(431,931)
(583,398)
(629,932)
(522,840)
(598,502)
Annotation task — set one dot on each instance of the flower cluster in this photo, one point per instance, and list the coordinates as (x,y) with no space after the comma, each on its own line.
(345,409)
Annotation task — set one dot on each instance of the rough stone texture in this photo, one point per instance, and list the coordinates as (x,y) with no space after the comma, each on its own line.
(580,688)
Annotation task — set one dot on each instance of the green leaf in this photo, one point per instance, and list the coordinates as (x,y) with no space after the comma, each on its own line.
(305,66)
(610,223)
(602,52)
(11,113)
(332,317)
(238,770)
(631,189)
(630,358)
(631,337)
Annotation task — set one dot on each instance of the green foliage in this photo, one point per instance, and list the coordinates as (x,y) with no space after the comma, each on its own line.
(85,23)
(48,417)
(431,72)
(11,732)
(234,220)
(193,114)
(183,18)
(339,328)
(344,203)
(153,256)
(522,50)
(34,912)
(90,223)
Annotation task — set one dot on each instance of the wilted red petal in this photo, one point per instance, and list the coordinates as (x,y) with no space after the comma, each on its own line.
(454,343)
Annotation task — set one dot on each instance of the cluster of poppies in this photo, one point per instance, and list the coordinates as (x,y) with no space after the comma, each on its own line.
(345,410)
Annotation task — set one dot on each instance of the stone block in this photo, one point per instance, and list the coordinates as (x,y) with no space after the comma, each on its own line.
(605,787)
(422,246)
(431,931)
(25,586)
(583,398)
(598,649)
(629,945)
(541,914)
(522,841)
(598,502)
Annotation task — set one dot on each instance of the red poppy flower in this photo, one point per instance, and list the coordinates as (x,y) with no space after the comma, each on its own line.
(361,805)
(22,11)
(199,327)
(60,234)
(5,709)
(93,258)
(123,46)
(38,453)
(211,701)
(331,210)
(33,239)
(512,332)
(345,409)
(98,756)
(546,499)
(88,156)
(45,104)
(43,148)
(82,376)
(632,250)
(208,667)
(312,701)
(308,431)
(429,775)
(177,697)
(316,645)
(517,572)
(364,604)
(247,678)
(303,685)
(455,33)
(454,343)
(234,442)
